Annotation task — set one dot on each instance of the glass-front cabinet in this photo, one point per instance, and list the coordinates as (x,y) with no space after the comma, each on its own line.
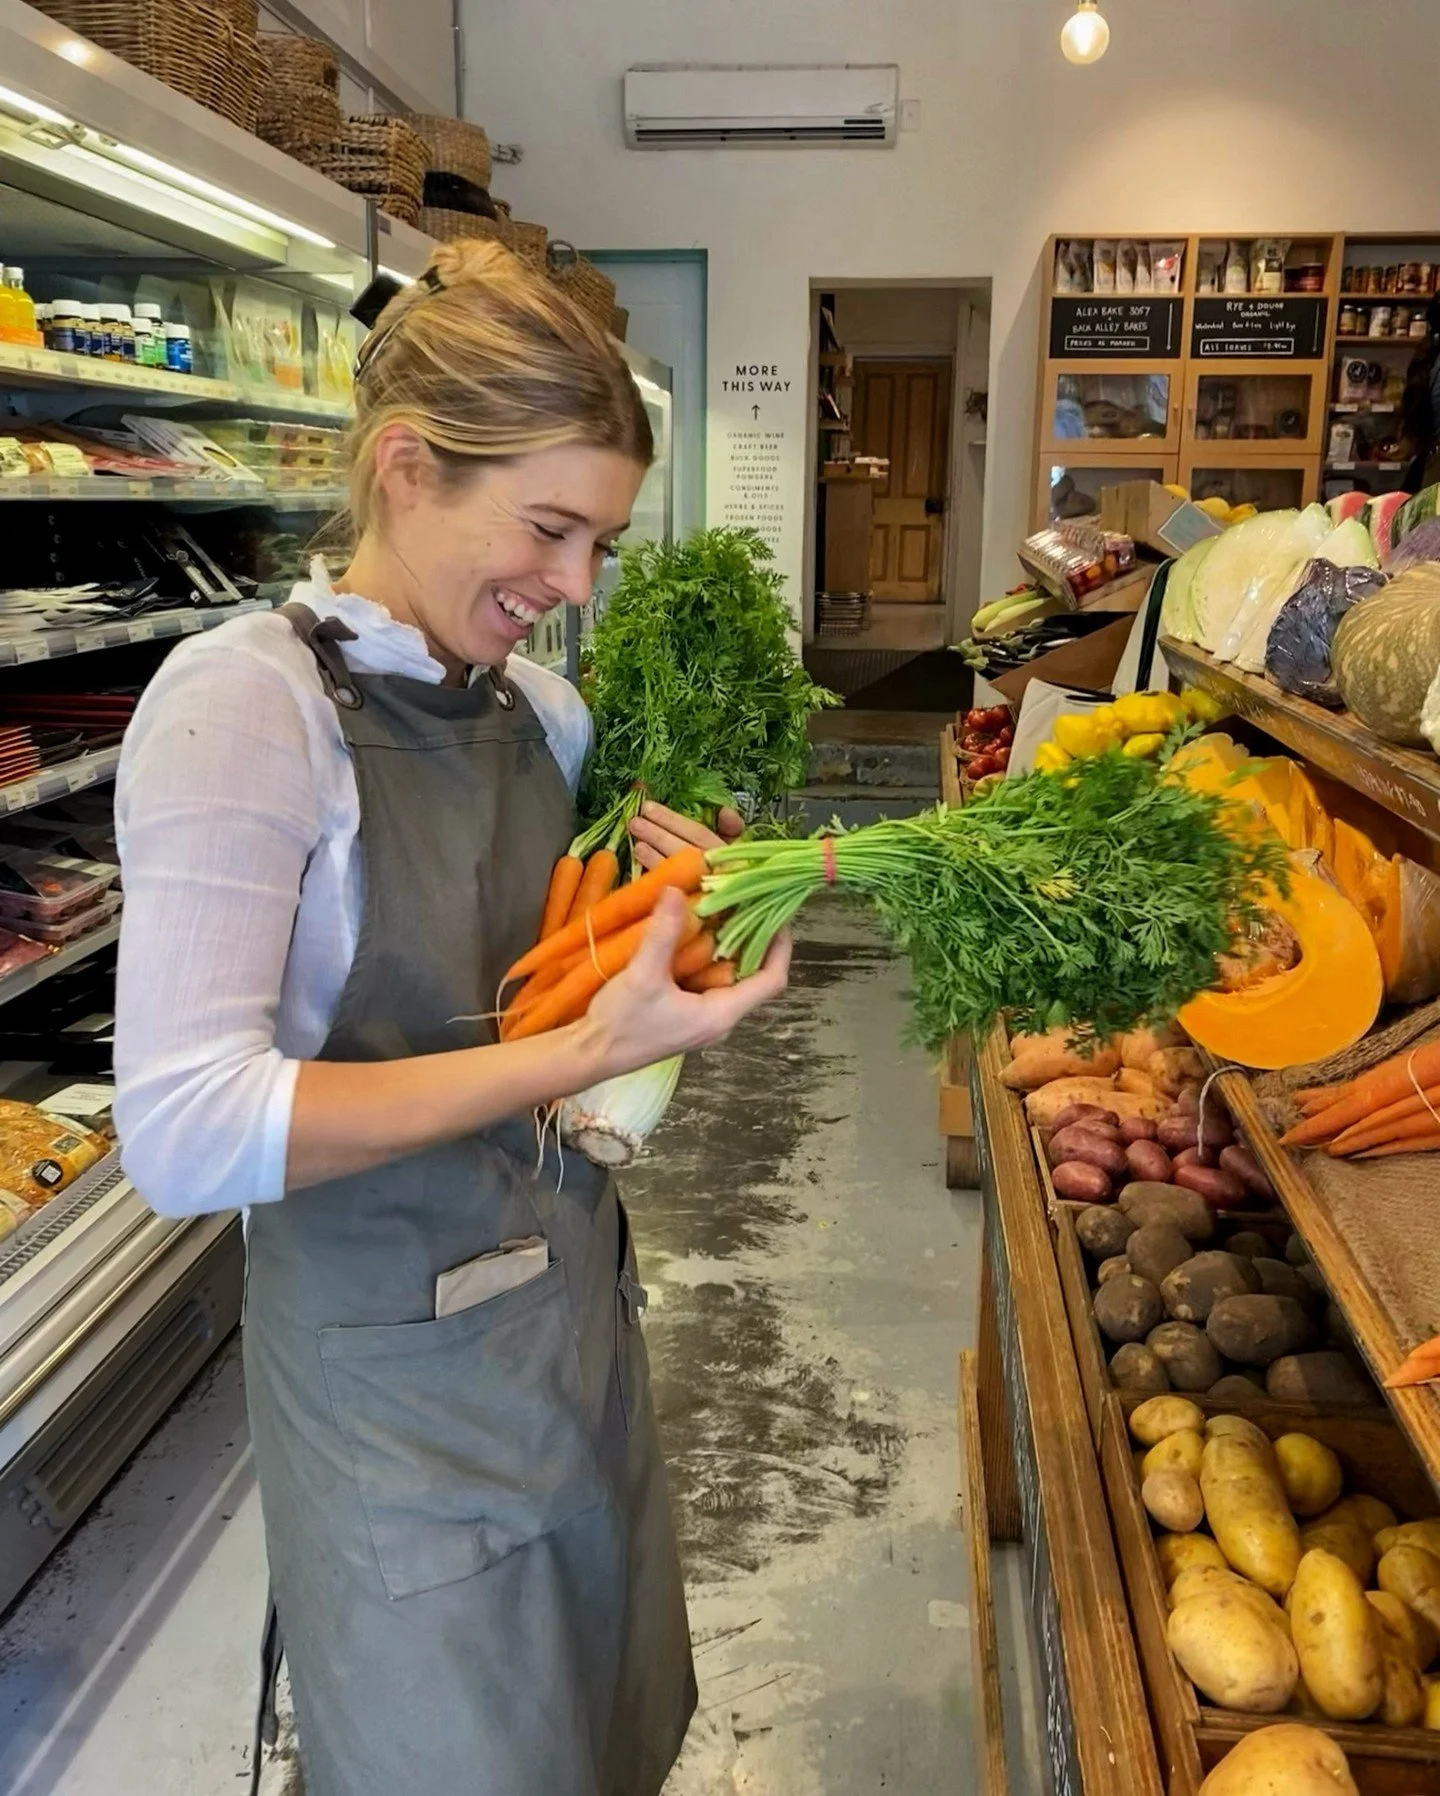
(1069,488)
(1119,406)
(1256,410)
(1269,484)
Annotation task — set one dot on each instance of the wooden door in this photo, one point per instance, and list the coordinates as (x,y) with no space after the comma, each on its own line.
(902,411)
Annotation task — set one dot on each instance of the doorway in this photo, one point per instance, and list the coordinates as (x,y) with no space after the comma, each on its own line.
(902,418)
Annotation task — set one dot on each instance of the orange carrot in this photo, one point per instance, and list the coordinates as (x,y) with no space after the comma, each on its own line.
(716,976)
(602,870)
(1418,1144)
(1385,1084)
(532,990)
(1412,1115)
(630,904)
(570,999)
(1418,1367)
(564,883)
(1320,1095)
(693,957)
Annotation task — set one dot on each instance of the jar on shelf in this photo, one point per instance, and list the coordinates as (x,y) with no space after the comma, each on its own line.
(1391,282)
(67,333)
(1349,325)
(179,357)
(1380,317)
(1400,323)
(1409,277)
(1427,278)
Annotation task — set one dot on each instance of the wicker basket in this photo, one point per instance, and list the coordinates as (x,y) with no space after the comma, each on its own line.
(244,15)
(589,289)
(192,46)
(619,323)
(446,226)
(454,146)
(529,241)
(299,100)
(382,158)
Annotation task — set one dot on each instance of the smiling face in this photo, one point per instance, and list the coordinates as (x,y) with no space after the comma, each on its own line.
(475,556)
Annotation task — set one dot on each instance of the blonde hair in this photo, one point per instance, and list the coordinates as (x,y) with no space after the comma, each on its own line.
(487,362)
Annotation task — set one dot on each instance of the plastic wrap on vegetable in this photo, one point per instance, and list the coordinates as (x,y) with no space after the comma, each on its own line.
(1420,544)
(1297,656)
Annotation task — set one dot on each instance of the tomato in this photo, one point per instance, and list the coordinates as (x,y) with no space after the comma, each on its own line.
(974,718)
(975,742)
(1006,736)
(1001,758)
(980,767)
(997,718)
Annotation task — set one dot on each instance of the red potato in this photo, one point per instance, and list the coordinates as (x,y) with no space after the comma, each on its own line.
(1189,1156)
(1086,1113)
(1138,1128)
(1148,1160)
(1095,1150)
(1063,1140)
(1176,1133)
(1240,1163)
(1082,1183)
(1222,1190)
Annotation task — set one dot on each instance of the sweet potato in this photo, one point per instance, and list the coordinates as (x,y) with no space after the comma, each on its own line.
(1170,1068)
(1079,1182)
(1141,1045)
(1130,1079)
(1037,1060)
(1044,1105)
(1147,1160)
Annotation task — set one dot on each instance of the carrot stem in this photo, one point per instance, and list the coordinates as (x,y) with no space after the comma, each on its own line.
(564,884)
(626,905)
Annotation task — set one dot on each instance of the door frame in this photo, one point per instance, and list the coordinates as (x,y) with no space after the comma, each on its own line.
(946,358)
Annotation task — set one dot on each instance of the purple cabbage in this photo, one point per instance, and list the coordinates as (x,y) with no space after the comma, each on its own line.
(1297,656)
(1420,544)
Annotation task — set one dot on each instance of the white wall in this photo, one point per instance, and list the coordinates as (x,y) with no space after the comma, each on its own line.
(405,47)
(1220,115)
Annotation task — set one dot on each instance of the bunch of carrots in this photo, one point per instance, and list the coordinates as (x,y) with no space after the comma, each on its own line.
(589,932)
(1392,1109)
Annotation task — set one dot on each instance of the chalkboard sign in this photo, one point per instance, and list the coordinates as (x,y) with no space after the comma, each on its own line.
(1061,1753)
(1272,329)
(1104,326)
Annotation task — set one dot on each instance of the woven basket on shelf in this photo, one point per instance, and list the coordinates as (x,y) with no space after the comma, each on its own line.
(529,241)
(193,46)
(454,146)
(592,291)
(299,99)
(244,15)
(382,158)
(619,323)
(446,226)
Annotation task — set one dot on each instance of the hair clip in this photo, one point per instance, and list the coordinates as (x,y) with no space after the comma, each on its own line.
(373,301)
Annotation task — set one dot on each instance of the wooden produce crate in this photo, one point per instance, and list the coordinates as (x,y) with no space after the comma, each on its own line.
(1092,1353)
(957,1115)
(994,1780)
(1193,1737)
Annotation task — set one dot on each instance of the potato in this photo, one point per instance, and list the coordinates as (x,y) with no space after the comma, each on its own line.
(1370,1512)
(1103,1231)
(1238,1425)
(1111,1268)
(1232,1654)
(1152,1421)
(1149,1202)
(1413,1575)
(1243,1164)
(1286,1760)
(1247,1512)
(1052,1100)
(1303,1703)
(1327,1377)
(1127,1308)
(1080,1183)
(1091,1113)
(1248,1244)
(1310,1473)
(1413,1632)
(1088,1143)
(1257,1330)
(1137,1128)
(1190,1361)
(1201,1579)
(1184,1450)
(1347,1540)
(1431,1717)
(1277,1279)
(1222,1189)
(1179,1553)
(1172,1497)
(1236,1387)
(1337,1637)
(1148,1160)
(1135,1367)
(1410,1534)
(1156,1249)
(1191,1291)
(1402,1694)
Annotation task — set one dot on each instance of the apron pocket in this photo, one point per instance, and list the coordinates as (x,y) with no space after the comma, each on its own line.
(467,1434)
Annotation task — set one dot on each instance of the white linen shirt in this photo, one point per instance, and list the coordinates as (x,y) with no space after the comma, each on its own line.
(238,816)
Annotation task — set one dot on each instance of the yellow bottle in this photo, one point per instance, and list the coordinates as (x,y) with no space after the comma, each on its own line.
(17,321)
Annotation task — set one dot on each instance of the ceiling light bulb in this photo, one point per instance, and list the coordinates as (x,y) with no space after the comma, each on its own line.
(1086,36)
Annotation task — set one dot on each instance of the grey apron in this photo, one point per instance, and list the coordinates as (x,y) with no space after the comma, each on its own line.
(470,1543)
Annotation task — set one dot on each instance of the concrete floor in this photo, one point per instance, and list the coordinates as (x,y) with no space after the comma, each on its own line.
(811,1284)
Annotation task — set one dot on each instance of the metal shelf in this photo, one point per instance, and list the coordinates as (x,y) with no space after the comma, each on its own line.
(25,367)
(25,979)
(59,782)
(157,626)
(271,402)
(105,489)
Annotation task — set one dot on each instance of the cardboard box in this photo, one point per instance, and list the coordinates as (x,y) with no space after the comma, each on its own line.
(1087,663)
(1144,510)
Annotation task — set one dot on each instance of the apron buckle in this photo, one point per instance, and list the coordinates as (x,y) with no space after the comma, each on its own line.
(635,1298)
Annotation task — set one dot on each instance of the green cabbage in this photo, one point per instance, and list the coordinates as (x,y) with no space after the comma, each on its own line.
(1177,613)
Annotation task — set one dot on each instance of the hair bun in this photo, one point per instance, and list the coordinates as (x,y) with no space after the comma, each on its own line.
(474,261)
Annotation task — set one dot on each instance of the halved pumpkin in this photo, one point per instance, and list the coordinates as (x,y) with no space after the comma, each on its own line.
(1316,1008)
(1400,902)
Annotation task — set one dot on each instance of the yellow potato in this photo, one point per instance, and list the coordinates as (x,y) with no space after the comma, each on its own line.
(1413,1575)
(1303,1703)
(1410,1534)
(1179,1553)
(1310,1473)
(1232,1653)
(1158,1416)
(1337,1638)
(1286,1760)
(1247,1512)
(1185,1449)
(1370,1512)
(1420,1640)
(1173,1499)
(1347,1540)
(1202,1580)
(1431,1717)
(1402,1700)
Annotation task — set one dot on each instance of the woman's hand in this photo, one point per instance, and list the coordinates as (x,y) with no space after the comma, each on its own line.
(658,832)
(643,1016)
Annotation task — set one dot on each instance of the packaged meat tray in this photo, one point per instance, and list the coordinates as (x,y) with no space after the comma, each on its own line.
(39,1155)
(60,935)
(47,888)
(18,951)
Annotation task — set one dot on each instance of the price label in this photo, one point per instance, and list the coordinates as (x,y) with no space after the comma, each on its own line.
(36,649)
(190,622)
(142,630)
(78,778)
(21,797)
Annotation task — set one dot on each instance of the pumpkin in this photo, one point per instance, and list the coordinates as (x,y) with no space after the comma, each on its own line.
(1400,902)
(1387,653)
(1316,1008)
(1275,790)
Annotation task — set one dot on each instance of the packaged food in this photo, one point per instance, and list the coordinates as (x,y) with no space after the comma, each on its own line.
(14,464)
(70,929)
(1064,274)
(1144,274)
(36,887)
(1237,272)
(1380,321)
(1210,273)
(18,951)
(1125,266)
(1105,274)
(1165,262)
(40,1155)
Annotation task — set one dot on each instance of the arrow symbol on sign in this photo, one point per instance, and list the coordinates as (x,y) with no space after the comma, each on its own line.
(755,411)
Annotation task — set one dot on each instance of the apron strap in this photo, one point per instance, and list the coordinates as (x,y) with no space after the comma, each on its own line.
(322,637)
(267,1720)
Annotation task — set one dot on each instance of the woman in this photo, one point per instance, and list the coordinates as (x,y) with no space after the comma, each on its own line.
(1420,409)
(337,826)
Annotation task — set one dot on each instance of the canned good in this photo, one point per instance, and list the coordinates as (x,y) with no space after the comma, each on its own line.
(1349,321)
(1374,278)
(1418,326)
(1380,321)
(1391,279)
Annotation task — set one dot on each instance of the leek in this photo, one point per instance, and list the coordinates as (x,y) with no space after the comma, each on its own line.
(610,1122)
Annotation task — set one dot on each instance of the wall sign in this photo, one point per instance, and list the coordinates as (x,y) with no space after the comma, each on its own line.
(1277,329)
(756,394)
(1143,327)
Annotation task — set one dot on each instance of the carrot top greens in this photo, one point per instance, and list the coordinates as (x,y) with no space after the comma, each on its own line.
(698,698)
(1099,895)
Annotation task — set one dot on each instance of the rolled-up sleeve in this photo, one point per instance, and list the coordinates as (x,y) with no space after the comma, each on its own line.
(217,815)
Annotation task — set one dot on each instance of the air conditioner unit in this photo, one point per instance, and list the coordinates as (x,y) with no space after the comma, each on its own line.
(688,106)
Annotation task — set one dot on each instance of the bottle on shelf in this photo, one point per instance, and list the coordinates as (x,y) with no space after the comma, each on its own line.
(67,333)
(178,354)
(98,335)
(17,312)
(149,315)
